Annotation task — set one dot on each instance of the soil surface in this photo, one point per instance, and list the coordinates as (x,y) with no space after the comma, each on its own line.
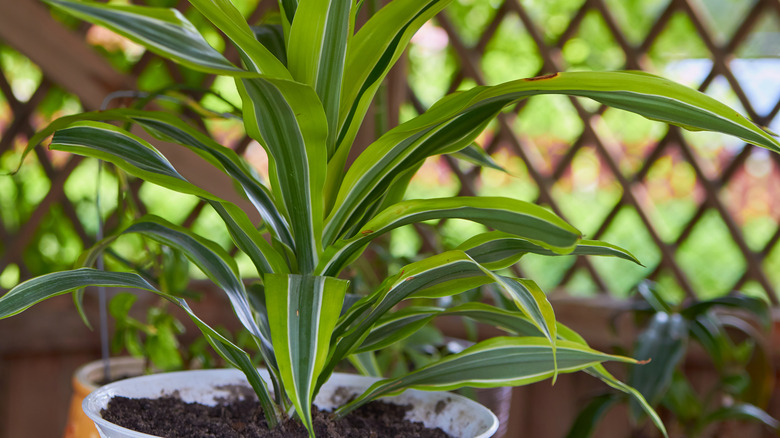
(172,418)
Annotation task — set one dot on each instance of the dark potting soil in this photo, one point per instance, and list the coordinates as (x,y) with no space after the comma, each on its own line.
(172,418)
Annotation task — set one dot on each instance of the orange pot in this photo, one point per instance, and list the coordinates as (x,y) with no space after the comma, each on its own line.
(85,380)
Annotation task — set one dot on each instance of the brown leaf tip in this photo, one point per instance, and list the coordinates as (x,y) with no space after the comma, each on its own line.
(542,78)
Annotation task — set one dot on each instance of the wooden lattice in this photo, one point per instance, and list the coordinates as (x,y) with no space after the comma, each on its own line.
(55,206)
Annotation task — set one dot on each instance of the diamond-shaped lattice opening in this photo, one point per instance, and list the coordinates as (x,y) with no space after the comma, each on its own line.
(471,19)
(758,78)
(546,271)
(671,189)
(722,18)
(208,223)
(753,289)
(173,206)
(715,151)
(771,267)
(431,64)
(81,190)
(9,276)
(677,42)
(751,197)
(628,232)
(710,258)
(514,183)
(668,287)
(551,125)
(587,191)
(154,76)
(581,284)
(762,42)
(55,104)
(511,53)
(433,180)
(635,18)
(121,52)
(22,75)
(629,137)
(55,245)
(593,47)
(23,191)
(552,17)
(756,65)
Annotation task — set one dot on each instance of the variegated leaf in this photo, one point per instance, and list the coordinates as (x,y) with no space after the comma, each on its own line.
(500,361)
(169,128)
(498,250)
(288,120)
(371,53)
(453,123)
(258,59)
(163,31)
(317,51)
(302,312)
(519,218)
(46,286)
(445,274)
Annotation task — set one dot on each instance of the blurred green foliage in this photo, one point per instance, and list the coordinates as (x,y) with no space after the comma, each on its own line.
(586,192)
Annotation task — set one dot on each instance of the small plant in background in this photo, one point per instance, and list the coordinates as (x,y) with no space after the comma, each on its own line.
(738,381)
(317,214)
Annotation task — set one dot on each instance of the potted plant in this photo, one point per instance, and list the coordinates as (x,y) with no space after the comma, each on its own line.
(304,104)
(738,362)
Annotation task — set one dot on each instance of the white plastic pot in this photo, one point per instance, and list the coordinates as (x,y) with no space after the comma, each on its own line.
(456,415)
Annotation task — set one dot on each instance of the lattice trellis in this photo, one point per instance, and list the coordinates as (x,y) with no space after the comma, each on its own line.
(22,232)
(633,182)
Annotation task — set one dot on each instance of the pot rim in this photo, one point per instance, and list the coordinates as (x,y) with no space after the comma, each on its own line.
(215,383)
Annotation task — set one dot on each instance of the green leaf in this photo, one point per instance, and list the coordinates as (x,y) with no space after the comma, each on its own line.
(287,119)
(602,374)
(523,219)
(500,361)
(272,37)
(498,250)
(164,31)
(302,312)
(128,152)
(366,364)
(742,411)
(588,419)
(170,128)
(658,99)
(209,257)
(445,274)
(371,53)
(397,326)
(474,154)
(249,240)
(229,20)
(46,286)
(508,320)
(756,306)
(455,121)
(317,52)
(636,397)
(649,291)
(138,158)
(663,343)
(288,9)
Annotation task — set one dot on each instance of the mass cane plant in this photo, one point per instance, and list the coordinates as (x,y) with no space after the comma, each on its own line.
(304,104)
